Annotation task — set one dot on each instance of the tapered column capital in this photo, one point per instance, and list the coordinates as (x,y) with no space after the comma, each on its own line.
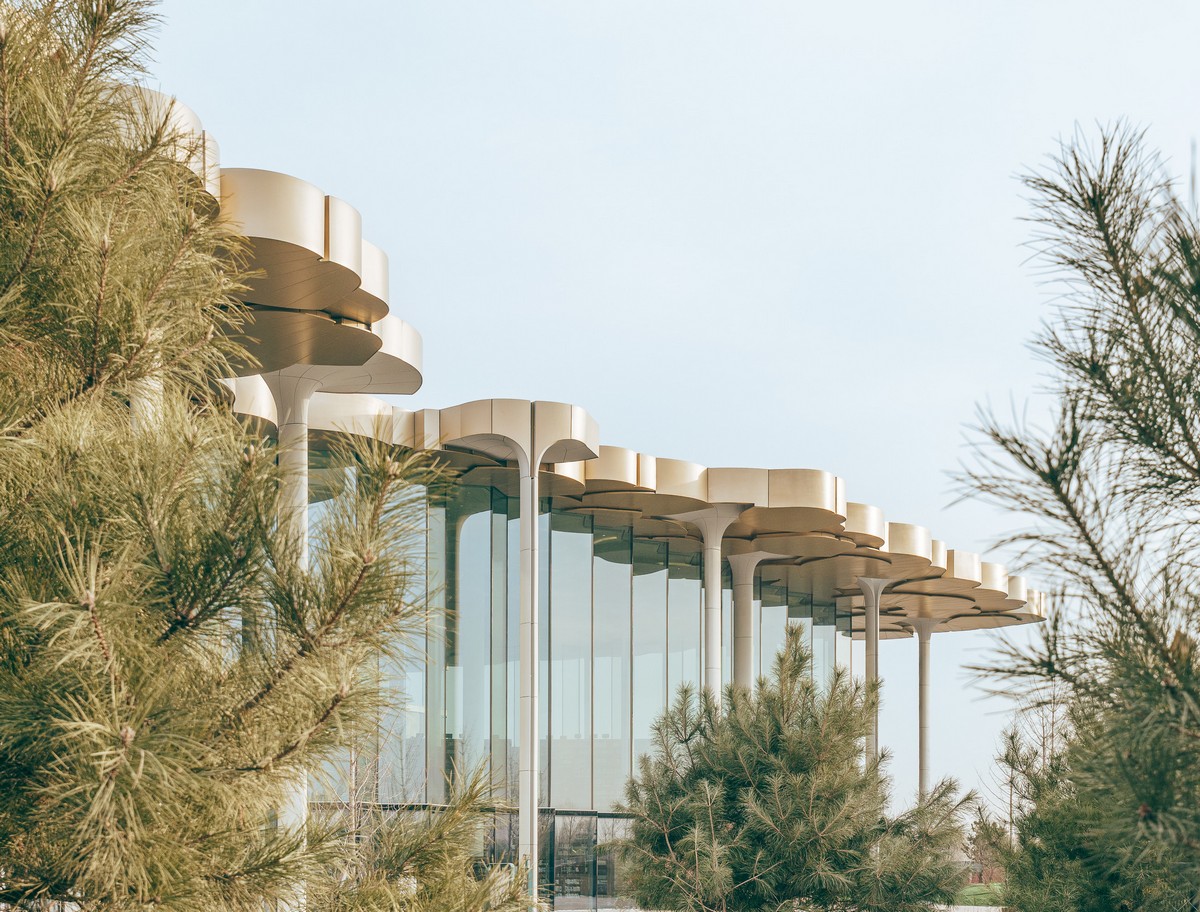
(742,566)
(712,521)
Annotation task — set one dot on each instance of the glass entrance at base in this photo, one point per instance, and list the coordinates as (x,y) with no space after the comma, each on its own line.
(580,868)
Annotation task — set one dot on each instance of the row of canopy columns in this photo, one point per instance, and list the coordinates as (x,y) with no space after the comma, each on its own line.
(712,524)
(864,556)
(292,396)
(534,437)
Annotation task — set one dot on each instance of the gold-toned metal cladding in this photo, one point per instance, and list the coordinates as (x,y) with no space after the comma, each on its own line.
(319,291)
(817,539)
(391,368)
(282,338)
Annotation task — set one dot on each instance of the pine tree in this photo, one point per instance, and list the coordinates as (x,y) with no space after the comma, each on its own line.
(169,667)
(1112,490)
(767,803)
(1057,858)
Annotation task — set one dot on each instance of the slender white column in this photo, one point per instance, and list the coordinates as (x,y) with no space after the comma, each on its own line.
(872,589)
(743,566)
(529,766)
(712,524)
(924,628)
(292,396)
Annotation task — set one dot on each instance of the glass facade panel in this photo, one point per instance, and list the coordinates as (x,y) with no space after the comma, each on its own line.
(612,597)
(545,681)
(435,664)
(611,891)
(684,613)
(726,624)
(402,729)
(468,635)
(621,629)
(772,628)
(824,639)
(402,748)
(773,613)
(512,706)
(503,839)
(649,641)
(843,645)
(571,661)
(500,746)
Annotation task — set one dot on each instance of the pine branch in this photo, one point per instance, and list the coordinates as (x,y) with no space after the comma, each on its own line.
(292,747)
(310,643)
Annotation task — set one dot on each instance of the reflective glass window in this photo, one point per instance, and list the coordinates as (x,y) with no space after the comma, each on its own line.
(726,624)
(772,628)
(611,889)
(824,640)
(545,679)
(436,569)
(844,645)
(468,646)
(571,661)
(513,672)
(773,613)
(649,640)
(684,614)
(501,752)
(612,594)
(402,747)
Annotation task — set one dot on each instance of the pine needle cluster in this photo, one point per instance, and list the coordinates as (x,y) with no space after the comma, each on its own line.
(421,860)
(766,803)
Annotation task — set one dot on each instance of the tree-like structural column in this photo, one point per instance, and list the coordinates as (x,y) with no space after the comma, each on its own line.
(525,436)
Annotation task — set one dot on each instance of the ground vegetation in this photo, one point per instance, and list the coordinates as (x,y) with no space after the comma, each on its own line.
(766,802)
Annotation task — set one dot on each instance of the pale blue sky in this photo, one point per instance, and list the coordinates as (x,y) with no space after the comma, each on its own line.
(739,233)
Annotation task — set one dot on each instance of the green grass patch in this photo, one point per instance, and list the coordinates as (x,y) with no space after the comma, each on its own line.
(980,895)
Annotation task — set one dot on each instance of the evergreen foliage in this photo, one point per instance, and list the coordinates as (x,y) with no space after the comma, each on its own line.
(1057,860)
(767,803)
(170,666)
(1112,490)
(421,860)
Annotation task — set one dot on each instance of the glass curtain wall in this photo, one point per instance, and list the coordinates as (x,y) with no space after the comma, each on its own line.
(650,573)
(684,617)
(621,625)
(571,661)
(612,664)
